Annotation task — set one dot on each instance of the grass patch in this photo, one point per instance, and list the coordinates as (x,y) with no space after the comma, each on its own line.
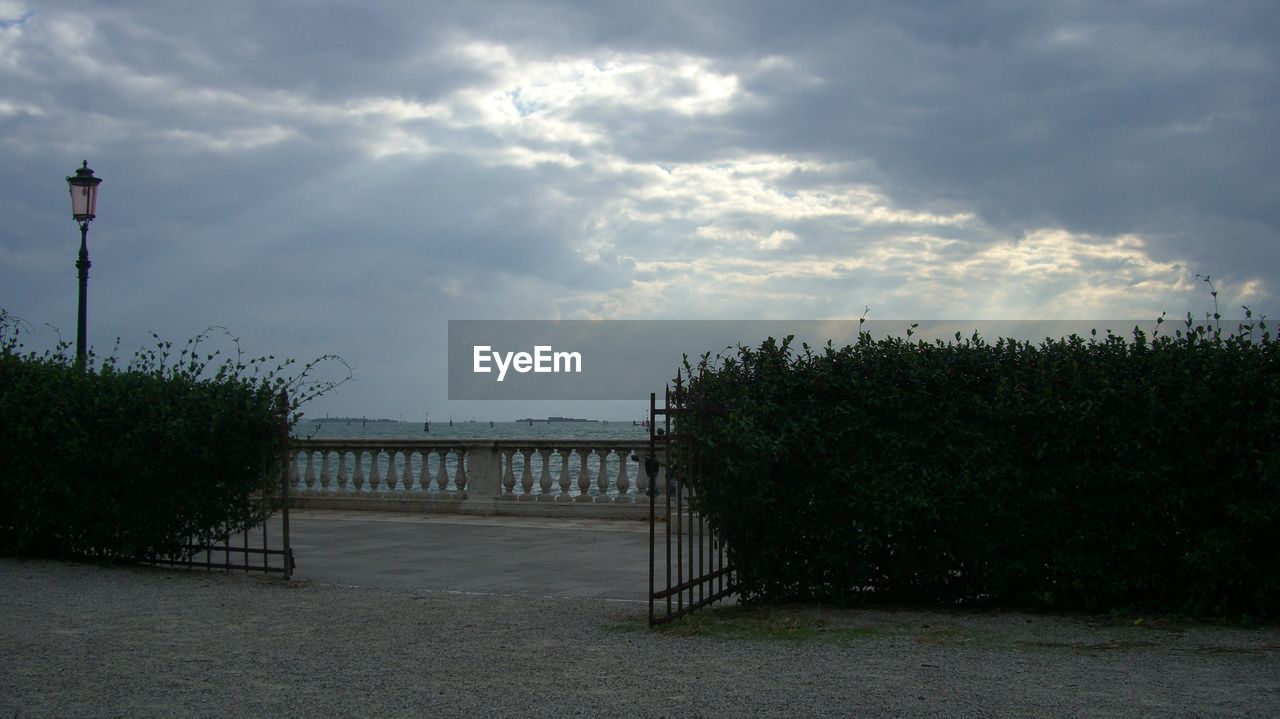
(792,623)
(1114,645)
(955,636)
(1055,635)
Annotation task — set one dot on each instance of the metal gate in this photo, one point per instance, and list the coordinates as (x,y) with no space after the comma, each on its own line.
(247,551)
(688,568)
(251,549)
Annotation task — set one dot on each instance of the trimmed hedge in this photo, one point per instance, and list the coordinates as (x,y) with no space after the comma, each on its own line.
(1075,474)
(131,462)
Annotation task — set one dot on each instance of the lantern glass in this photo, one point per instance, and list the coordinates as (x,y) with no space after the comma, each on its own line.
(84,201)
(84,194)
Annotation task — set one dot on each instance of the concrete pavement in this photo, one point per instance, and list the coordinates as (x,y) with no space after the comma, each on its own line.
(538,557)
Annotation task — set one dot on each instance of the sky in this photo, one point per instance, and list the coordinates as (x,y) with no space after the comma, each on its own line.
(329,177)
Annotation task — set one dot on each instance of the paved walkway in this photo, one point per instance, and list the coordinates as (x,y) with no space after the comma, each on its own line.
(580,558)
(458,616)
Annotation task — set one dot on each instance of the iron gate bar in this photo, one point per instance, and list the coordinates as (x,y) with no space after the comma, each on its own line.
(653,410)
(695,582)
(666,424)
(286,461)
(226,564)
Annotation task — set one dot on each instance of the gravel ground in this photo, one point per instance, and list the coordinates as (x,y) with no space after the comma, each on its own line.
(82,640)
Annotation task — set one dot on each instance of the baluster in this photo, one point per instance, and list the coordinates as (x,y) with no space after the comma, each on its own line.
(342,471)
(442,473)
(460,476)
(584,476)
(324,470)
(375,478)
(393,478)
(310,475)
(526,473)
(508,476)
(425,477)
(293,470)
(408,470)
(602,479)
(358,466)
(624,483)
(544,480)
(564,474)
(642,480)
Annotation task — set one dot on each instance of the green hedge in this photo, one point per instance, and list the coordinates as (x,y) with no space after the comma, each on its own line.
(1074,474)
(132,461)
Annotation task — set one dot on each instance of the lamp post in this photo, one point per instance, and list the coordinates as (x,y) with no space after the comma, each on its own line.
(84,203)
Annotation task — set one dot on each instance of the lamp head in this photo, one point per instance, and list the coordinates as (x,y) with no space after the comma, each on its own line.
(84,193)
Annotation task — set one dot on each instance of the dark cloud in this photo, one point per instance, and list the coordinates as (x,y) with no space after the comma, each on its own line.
(1096,118)
(344,177)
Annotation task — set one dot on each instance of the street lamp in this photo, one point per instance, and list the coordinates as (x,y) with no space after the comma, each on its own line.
(84,203)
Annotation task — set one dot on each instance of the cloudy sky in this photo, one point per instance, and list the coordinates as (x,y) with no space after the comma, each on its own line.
(345,177)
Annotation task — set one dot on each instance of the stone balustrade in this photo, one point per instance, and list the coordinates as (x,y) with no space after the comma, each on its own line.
(547,477)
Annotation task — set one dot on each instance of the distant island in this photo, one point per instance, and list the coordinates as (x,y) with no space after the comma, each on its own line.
(351,419)
(549,420)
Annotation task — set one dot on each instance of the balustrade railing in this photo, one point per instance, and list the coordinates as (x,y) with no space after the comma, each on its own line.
(564,471)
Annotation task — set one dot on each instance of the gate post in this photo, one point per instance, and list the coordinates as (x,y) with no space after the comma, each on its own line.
(284,487)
